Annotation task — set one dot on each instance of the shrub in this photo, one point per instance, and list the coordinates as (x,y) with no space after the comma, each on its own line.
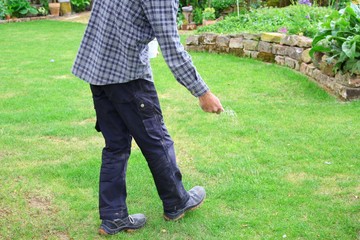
(208,14)
(80,5)
(339,38)
(45,4)
(20,8)
(42,11)
(2,9)
(180,19)
(220,5)
(294,19)
(338,4)
(197,15)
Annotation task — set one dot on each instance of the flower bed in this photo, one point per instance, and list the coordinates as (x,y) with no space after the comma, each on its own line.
(287,50)
(292,20)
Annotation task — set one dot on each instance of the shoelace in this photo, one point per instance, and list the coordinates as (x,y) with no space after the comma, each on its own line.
(131,220)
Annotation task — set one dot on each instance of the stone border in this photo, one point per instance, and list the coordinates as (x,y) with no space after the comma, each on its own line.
(28,19)
(287,50)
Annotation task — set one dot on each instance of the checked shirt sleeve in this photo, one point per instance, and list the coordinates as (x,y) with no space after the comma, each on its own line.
(161,15)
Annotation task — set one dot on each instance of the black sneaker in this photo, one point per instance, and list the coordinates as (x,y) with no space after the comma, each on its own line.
(197,196)
(128,224)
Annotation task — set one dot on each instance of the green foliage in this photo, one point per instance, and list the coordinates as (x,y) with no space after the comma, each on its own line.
(80,5)
(338,4)
(20,8)
(295,19)
(208,14)
(255,4)
(180,19)
(339,38)
(220,5)
(42,11)
(197,15)
(45,4)
(3,9)
(272,3)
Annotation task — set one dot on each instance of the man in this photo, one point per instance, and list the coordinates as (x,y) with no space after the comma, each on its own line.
(113,58)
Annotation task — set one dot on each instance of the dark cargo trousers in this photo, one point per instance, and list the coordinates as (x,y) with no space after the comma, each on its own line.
(129,110)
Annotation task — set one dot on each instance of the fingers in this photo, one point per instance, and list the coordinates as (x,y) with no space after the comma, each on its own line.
(210,103)
(217,111)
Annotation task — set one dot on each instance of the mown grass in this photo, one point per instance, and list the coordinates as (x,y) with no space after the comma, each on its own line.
(282,161)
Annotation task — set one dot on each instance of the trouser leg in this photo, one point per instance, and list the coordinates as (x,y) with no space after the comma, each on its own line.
(112,185)
(138,105)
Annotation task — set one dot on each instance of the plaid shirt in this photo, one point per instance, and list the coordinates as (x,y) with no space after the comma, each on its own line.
(115,45)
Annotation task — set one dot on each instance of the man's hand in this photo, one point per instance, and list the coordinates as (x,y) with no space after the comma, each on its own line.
(210,103)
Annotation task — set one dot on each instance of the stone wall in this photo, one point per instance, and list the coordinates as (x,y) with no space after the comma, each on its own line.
(27,19)
(291,51)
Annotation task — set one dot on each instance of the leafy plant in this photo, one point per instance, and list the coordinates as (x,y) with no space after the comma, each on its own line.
(180,19)
(20,8)
(197,15)
(42,11)
(45,4)
(338,4)
(255,4)
(80,5)
(3,9)
(220,5)
(208,14)
(339,39)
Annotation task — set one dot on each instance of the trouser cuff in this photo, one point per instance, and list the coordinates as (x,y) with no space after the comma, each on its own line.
(107,215)
(170,207)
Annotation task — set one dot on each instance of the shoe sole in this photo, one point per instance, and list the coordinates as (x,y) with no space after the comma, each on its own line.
(183,214)
(128,230)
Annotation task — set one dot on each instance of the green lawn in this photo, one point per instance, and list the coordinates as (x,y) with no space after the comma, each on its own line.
(281,163)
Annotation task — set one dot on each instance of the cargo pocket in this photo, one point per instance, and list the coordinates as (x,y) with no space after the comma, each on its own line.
(153,127)
(145,107)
